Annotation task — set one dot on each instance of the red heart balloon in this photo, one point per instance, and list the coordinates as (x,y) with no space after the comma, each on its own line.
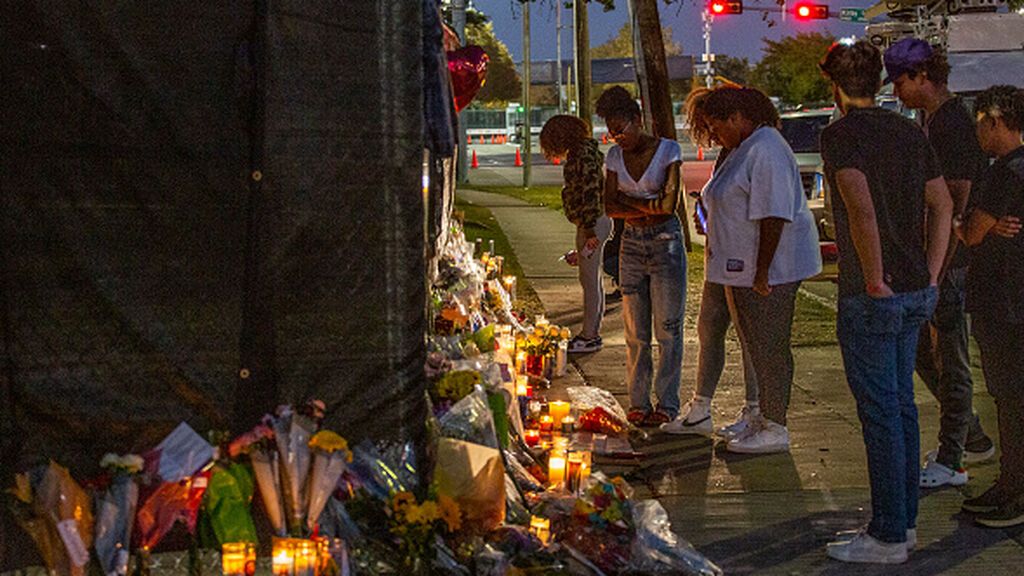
(468,69)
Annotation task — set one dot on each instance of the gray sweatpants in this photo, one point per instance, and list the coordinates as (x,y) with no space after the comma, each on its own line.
(590,278)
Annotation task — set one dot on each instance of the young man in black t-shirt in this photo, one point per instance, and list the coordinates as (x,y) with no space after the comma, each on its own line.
(892,214)
(995,294)
(919,74)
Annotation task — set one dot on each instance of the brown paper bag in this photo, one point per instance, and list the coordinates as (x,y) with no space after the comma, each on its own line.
(473,476)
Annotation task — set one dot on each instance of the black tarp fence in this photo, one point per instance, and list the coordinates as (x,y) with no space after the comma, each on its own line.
(206,209)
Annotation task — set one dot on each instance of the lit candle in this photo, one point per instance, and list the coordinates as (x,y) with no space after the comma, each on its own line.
(305,558)
(578,470)
(235,556)
(283,563)
(541,528)
(556,470)
(567,424)
(522,389)
(558,410)
(509,282)
(531,436)
(546,422)
(521,362)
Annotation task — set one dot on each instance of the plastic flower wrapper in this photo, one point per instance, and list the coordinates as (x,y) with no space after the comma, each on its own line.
(471,419)
(454,386)
(38,527)
(169,503)
(384,469)
(598,410)
(227,501)
(60,500)
(473,476)
(523,478)
(115,512)
(657,550)
(292,432)
(259,444)
(415,524)
(330,455)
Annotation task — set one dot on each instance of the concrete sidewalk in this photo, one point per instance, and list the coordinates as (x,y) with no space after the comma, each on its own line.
(759,514)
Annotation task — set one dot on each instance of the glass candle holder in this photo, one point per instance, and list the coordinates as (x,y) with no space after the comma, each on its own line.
(558,410)
(283,562)
(238,559)
(541,528)
(306,558)
(556,470)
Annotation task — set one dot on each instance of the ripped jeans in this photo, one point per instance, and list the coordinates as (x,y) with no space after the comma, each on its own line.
(652,276)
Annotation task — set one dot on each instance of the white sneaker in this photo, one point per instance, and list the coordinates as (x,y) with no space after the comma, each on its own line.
(739,426)
(865,548)
(762,436)
(968,457)
(934,475)
(695,418)
(847,535)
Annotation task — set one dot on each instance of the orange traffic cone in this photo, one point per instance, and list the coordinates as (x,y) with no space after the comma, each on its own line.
(469,140)
(474,164)
(481,138)
(519,158)
(700,152)
(604,138)
(492,139)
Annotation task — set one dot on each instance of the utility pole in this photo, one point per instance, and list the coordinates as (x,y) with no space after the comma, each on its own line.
(527,132)
(558,54)
(582,60)
(459,25)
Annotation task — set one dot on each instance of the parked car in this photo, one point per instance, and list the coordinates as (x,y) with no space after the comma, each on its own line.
(802,129)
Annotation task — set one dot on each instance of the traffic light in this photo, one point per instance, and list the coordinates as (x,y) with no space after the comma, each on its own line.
(808,11)
(720,7)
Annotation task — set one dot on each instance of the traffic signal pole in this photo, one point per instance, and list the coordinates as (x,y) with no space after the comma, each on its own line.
(527,132)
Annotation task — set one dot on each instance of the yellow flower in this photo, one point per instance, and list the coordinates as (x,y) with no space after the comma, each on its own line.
(429,512)
(413,514)
(450,513)
(534,340)
(538,331)
(330,442)
(566,334)
(554,331)
(401,501)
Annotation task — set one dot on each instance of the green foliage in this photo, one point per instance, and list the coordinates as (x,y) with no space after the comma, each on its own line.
(735,69)
(621,45)
(789,68)
(503,83)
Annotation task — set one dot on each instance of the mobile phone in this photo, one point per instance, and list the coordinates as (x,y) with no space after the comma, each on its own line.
(702,213)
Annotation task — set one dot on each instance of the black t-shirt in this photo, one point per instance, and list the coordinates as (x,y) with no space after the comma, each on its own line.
(995,278)
(895,157)
(951,133)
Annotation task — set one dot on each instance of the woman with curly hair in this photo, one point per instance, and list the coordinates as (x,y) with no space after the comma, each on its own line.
(761,243)
(642,186)
(569,138)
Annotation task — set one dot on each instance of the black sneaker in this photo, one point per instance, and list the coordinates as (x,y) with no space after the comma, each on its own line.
(581,345)
(979,450)
(1006,516)
(988,501)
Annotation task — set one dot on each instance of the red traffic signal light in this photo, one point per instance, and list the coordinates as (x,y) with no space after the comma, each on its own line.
(720,7)
(808,11)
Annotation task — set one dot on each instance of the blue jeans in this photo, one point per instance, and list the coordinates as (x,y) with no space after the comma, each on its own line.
(652,275)
(878,339)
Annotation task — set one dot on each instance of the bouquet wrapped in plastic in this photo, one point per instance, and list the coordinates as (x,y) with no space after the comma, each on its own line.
(330,455)
(657,550)
(54,510)
(227,503)
(115,513)
(259,444)
(292,433)
(168,504)
(598,410)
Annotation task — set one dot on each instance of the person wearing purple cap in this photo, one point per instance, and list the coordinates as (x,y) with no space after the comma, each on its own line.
(893,219)
(919,75)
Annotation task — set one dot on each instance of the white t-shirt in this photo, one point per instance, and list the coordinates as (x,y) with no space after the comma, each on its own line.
(759,179)
(653,179)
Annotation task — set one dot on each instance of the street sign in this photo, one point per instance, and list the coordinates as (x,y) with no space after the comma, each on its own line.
(852,15)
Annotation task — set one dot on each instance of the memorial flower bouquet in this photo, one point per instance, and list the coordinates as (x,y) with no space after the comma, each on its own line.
(115,512)
(330,455)
(543,340)
(416,525)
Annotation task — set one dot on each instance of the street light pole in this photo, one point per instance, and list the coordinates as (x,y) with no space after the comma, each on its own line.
(558,53)
(527,133)
(709,72)
(459,25)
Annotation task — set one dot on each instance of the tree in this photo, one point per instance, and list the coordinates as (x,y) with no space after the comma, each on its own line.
(503,83)
(789,68)
(621,45)
(734,69)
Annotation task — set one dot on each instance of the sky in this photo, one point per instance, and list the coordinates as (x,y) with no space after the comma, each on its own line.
(736,35)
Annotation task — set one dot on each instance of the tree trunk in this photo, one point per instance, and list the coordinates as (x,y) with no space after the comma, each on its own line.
(584,108)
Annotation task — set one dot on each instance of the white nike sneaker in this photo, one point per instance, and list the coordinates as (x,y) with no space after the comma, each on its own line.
(863,548)
(762,436)
(694,418)
(738,427)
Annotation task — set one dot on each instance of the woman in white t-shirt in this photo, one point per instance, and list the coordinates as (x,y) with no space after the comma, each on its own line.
(761,243)
(642,186)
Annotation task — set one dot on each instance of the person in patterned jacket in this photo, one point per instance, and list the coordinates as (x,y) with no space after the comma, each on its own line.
(569,138)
